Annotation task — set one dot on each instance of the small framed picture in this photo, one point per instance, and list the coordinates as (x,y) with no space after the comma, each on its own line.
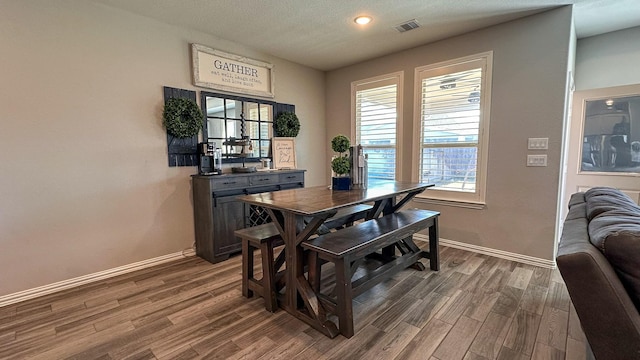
(284,153)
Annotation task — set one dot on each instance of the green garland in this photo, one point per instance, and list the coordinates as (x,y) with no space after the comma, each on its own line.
(182,117)
(287,125)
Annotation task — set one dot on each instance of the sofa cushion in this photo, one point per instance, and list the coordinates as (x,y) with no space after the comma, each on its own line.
(603,199)
(577,211)
(616,233)
(577,198)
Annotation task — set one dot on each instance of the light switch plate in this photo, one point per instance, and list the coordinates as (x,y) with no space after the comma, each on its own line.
(538,144)
(536,160)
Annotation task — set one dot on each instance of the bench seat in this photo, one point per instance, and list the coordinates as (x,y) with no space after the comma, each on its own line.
(348,247)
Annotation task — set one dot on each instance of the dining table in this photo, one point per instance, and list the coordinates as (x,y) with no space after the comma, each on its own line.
(299,213)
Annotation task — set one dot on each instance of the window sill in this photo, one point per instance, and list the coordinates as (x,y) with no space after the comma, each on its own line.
(454,203)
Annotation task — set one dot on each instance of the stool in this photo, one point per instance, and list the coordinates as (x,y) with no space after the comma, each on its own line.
(264,237)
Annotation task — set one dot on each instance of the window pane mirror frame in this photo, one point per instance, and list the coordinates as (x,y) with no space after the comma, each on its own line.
(223,120)
(610,133)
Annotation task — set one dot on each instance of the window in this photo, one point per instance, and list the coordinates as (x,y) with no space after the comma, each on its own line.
(377,123)
(452,115)
(224,114)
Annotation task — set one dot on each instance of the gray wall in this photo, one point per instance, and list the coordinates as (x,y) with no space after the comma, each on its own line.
(84,183)
(608,60)
(531,58)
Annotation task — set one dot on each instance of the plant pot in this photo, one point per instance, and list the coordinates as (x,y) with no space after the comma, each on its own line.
(341,183)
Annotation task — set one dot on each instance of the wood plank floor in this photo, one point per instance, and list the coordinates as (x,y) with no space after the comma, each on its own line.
(476,307)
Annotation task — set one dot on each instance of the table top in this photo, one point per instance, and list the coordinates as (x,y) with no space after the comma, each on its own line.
(319,199)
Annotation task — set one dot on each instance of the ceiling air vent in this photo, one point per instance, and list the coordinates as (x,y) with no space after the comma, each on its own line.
(406,26)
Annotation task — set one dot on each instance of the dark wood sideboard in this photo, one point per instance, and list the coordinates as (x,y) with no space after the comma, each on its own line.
(217,212)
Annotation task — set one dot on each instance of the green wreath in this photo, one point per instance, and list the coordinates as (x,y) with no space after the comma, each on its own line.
(182,117)
(287,125)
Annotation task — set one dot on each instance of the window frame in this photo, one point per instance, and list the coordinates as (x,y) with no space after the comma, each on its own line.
(396,78)
(226,121)
(475,199)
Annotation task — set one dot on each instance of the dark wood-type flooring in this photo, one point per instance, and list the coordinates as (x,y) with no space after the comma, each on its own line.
(476,307)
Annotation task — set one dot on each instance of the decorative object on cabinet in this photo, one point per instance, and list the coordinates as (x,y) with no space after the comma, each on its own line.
(217,213)
(284,153)
(287,125)
(181,151)
(244,142)
(341,164)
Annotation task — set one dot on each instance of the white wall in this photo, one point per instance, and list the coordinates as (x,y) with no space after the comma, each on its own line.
(531,60)
(84,180)
(608,60)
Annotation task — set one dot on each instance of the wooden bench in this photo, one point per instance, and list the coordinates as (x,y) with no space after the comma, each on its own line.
(348,247)
(266,237)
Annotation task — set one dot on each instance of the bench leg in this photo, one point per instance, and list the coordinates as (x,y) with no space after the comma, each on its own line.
(315,271)
(268,277)
(389,253)
(344,301)
(434,257)
(247,267)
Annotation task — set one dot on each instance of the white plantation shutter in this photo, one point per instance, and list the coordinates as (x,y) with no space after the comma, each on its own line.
(453,119)
(376,107)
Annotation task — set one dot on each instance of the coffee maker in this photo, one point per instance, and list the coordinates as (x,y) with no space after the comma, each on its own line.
(210,159)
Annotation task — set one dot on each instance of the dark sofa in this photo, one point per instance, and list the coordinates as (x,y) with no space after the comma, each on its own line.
(599,259)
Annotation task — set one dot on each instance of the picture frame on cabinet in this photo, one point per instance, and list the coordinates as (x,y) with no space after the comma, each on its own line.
(283,150)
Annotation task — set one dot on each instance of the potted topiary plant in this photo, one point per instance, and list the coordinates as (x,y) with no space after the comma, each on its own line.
(341,164)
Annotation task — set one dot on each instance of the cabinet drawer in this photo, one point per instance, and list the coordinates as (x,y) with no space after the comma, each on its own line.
(292,177)
(266,179)
(229,183)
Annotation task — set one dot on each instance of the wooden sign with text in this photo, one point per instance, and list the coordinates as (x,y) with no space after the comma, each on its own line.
(219,70)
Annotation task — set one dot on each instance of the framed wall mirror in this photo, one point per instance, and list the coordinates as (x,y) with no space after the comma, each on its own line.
(229,117)
(611,135)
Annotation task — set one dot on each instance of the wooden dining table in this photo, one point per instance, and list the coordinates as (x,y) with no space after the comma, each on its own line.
(298,213)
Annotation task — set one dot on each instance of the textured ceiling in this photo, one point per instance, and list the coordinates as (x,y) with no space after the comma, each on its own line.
(321,33)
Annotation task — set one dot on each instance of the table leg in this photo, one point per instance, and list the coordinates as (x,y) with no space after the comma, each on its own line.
(300,298)
(434,256)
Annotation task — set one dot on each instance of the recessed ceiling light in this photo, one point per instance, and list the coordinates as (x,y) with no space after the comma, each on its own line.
(362,20)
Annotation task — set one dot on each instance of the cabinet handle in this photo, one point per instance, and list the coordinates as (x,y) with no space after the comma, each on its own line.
(263,179)
(228,183)
(291,177)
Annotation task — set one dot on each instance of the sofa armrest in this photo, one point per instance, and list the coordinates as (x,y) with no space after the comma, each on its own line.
(607,315)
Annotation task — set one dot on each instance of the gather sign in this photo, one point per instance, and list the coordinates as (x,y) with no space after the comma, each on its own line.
(219,70)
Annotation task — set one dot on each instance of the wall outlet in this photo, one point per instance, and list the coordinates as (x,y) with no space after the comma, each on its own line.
(538,144)
(536,160)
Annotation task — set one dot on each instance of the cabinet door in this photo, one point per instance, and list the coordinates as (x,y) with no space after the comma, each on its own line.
(229,215)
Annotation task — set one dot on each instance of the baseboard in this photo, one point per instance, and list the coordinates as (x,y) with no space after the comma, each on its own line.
(67,284)
(549,264)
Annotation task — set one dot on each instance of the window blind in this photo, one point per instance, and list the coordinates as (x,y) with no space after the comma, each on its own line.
(450,123)
(376,116)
